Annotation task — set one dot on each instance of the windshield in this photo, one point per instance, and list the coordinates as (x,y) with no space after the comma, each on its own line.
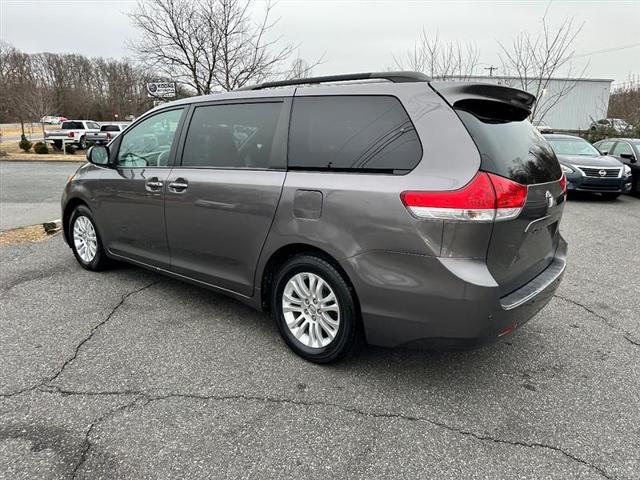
(573,146)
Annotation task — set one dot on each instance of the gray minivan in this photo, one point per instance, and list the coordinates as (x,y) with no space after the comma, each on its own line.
(410,211)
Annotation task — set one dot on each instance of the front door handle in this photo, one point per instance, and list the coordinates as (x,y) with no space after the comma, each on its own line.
(179,185)
(153,184)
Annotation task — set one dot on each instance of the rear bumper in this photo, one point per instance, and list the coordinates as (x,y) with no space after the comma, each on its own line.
(413,300)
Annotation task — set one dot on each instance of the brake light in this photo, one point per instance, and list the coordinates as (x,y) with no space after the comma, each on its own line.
(486,198)
(71,134)
(108,136)
(563,183)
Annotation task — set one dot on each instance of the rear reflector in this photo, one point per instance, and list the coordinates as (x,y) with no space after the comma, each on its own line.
(486,198)
(563,183)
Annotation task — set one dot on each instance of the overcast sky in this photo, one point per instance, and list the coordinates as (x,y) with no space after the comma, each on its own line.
(351,35)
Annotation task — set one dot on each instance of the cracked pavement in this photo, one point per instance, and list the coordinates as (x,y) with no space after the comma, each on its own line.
(130,375)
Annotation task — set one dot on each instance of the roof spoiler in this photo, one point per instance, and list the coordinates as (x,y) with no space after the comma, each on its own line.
(487,100)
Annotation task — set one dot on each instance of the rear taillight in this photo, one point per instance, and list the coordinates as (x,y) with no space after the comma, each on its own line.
(71,134)
(563,183)
(486,198)
(108,136)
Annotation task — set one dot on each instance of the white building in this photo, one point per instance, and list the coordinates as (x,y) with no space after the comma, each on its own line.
(587,100)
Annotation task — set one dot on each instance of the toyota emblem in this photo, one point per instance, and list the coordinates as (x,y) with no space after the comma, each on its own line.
(602,173)
(550,199)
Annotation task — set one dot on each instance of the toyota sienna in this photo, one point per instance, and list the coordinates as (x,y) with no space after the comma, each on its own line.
(410,211)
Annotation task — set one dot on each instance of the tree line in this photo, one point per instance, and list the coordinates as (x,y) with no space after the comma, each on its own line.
(71,85)
(205,46)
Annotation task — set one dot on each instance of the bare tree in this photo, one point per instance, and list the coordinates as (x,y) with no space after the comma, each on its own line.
(438,59)
(208,44)
(624,101)
(35,97)
(300,68)
(536,59)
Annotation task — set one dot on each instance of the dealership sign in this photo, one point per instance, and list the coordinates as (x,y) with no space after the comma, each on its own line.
(161,90)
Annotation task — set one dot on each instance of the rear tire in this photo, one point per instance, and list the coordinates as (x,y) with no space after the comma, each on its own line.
(314,309)
(85,240)
(82,144)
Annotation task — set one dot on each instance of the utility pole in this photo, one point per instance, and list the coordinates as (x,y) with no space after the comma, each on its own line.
(491,68)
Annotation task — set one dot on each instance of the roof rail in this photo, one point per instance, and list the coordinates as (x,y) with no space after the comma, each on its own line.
(396,77)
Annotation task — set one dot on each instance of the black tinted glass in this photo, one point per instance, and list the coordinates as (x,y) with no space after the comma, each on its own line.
(352,133)
(72,126)
(232,136)
(110,128)
(513,149)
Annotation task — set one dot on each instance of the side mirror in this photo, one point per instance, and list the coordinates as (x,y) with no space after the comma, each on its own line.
(628,156)
(98,155)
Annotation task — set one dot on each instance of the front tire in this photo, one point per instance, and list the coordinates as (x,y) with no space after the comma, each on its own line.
(314,309)
(85,240)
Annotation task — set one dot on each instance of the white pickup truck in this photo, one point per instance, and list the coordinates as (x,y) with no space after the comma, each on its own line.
(108,131)
(72,132)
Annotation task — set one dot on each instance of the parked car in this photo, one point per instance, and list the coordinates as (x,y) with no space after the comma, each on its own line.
(587,170)
(422,213)
(616,124)
(72,132)
(108,131)
(627,151)
(52,119)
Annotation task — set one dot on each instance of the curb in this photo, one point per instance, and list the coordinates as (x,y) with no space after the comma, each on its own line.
(25,160)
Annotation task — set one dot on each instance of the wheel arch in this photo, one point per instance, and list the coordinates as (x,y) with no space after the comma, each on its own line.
(71,205)
(281,255)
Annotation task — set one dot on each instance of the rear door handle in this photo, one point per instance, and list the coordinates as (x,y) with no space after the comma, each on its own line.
(153,184)
(179,185)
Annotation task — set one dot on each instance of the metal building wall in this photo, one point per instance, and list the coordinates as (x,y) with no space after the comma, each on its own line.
(588,100)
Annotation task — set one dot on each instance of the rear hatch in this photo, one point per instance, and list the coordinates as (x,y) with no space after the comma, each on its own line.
(509,146)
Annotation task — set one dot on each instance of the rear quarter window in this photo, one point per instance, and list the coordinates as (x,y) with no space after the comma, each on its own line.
(512,149)
(352,133)
(72,126)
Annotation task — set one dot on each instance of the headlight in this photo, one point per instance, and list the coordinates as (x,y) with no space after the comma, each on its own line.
(626,170)
(566,169)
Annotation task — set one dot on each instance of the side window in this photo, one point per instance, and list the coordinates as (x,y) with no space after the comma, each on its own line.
(367,133)
(149,142)
(622,147)
(604,147)
(233,136)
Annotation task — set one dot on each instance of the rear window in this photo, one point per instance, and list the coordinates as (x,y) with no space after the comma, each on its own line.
(512,149)
(110,128)
(352,133)
(72,126)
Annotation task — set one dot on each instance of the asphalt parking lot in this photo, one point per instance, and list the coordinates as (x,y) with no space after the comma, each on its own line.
(30,191)
(130,375)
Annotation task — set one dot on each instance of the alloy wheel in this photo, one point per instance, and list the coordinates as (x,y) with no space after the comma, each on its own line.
(84,239)
(311,310)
